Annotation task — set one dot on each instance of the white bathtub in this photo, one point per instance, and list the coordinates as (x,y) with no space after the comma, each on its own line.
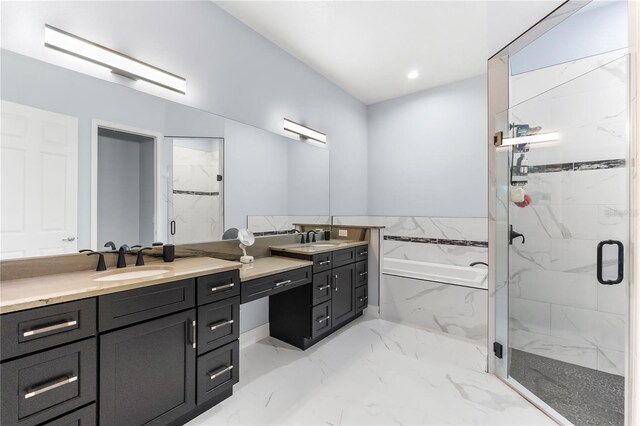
(467,276)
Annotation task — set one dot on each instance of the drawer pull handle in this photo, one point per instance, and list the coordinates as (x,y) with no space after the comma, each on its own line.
(194,330)
(283,283)
(47,388)
(362,274)
(321,320)
(220,324)
(335,283)
(362,299)
(324,262)
(222,287)
(50,328)
(362,253)
(221,371)
(324,287)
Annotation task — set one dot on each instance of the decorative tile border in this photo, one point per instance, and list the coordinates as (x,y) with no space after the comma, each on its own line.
(441,241)
(579,166)
(183,192)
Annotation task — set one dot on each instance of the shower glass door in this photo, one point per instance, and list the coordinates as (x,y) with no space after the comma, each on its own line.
(567,235)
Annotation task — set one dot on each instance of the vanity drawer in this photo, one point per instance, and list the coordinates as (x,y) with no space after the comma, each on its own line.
(39,387)
(321,288)
(322,262)
(320,319)
(274,284)
(362,298)
(41,328)
(218,324)
(218,286)
(362,253)
(83,417)
(362,273)
(343,257)
(218,371)
(132,306)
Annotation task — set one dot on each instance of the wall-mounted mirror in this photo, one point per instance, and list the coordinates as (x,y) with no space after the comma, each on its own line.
(86,161)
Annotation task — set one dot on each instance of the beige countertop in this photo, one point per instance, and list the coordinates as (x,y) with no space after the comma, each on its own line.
(319,247)
(265,266)
(26,293)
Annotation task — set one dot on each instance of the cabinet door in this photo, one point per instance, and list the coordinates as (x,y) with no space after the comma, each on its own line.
(147,372)
(343,298)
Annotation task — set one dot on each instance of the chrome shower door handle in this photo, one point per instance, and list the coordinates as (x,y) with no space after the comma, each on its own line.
(620,275)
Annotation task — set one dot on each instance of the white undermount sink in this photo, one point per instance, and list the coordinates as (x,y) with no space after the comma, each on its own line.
(130,275)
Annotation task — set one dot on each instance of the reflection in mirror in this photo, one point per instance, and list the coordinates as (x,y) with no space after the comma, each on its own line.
(195,202)
(126,187)
(86,161)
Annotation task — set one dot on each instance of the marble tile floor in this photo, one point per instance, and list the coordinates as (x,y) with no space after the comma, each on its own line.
(582,395)
(372,372)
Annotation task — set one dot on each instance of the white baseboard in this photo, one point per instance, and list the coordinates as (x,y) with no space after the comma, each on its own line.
(254,335)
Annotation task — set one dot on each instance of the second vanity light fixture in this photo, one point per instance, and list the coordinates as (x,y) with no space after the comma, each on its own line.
(304,131)
(118,63)
(498,141)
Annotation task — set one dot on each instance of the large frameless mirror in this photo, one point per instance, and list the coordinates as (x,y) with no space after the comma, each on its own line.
(86,161)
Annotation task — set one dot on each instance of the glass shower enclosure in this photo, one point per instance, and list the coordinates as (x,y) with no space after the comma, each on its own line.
(559,219)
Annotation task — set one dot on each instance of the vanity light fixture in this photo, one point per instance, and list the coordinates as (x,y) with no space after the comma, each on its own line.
(118,63)
(413,75)
(304,131)
(540,137)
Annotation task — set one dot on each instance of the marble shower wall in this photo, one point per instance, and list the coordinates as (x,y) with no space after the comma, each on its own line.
(446,308)
(579,198)
(196,195)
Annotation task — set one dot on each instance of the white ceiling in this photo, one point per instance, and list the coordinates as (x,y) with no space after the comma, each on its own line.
(368,48)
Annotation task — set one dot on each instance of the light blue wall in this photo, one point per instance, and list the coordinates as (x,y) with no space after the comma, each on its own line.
(599,27)
(428,152)
(230,69)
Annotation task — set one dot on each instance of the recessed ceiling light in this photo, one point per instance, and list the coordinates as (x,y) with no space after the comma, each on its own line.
(413,74)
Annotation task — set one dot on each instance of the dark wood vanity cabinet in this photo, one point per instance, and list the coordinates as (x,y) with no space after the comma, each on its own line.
(147,371)
(155,355)
(343,298)
(337,294)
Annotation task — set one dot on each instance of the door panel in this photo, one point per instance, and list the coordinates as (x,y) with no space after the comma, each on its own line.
(343,299)
(196,208)
(148,372)
(566,241)
(39,156)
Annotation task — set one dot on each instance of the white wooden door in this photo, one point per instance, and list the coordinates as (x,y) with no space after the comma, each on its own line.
(39,182)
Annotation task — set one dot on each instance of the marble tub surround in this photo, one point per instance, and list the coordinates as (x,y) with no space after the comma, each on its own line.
(368,373)
(265,266)
(27,293)
(319,247)
(449,240)
(282,224)
(454,310)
